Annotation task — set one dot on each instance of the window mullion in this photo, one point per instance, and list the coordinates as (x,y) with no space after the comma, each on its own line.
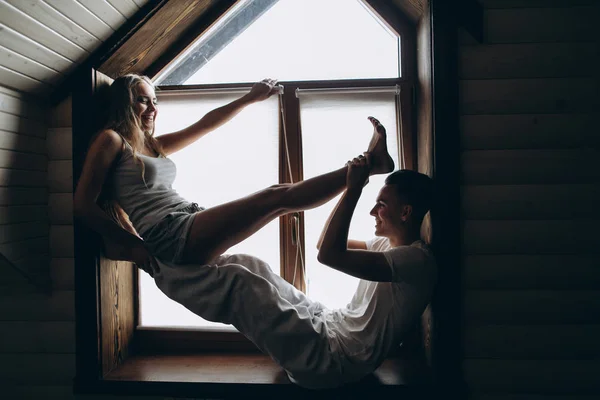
(292,269)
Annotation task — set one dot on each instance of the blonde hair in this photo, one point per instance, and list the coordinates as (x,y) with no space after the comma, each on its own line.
(123,119)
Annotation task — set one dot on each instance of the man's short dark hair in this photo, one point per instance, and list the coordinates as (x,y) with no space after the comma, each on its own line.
(415,188)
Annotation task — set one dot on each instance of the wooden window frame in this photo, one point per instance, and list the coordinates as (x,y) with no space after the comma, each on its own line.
(152,339)
(107,340)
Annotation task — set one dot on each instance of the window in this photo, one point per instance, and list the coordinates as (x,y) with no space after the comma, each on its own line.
(338,66)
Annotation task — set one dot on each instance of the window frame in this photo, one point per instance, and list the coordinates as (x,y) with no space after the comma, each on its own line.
(180,339)
(96,356)
(150,339)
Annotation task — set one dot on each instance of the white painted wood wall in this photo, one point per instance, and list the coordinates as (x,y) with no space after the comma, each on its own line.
(42,41)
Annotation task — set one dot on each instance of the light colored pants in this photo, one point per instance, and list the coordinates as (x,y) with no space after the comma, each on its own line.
(281,321)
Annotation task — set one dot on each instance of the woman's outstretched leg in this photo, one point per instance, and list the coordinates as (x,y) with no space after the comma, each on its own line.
(218,228)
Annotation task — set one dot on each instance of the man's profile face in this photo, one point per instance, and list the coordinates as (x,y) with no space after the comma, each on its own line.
(387,211)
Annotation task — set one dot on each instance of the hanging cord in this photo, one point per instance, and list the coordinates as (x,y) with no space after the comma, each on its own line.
(296,218)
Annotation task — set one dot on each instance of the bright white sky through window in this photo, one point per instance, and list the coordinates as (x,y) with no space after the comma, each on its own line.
(294,40)
(307,40)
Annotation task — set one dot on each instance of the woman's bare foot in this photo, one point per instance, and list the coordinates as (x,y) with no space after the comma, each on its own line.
(381,161)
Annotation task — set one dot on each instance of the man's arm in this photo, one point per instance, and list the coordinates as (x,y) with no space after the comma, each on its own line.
(334,250)
(352,244)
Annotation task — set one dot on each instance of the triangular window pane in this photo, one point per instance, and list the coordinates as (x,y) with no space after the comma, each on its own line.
(291,40)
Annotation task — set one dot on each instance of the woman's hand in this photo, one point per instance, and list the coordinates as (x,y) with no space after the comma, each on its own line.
(263,90)
(136,253)
(142,258)
(357,175)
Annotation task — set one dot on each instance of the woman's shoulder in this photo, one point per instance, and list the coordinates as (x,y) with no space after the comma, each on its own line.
(110,138)
(108,143)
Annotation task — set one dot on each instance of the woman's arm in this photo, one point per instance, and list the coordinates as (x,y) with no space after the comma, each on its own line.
(334,250)
(100,157)
(176,141)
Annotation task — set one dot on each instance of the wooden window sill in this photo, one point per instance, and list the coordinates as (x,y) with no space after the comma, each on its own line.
(237,374)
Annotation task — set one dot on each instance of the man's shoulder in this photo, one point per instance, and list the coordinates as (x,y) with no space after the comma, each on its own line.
(378,244)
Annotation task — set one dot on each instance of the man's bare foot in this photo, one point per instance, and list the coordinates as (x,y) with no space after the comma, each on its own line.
(381,161)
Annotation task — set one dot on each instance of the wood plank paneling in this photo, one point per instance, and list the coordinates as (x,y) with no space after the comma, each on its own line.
(534,376)
(60,208)
(61,241)
(550,342)
(532,307)
(528,60)
(60,143)
(61,116)
(29,27)
(155,37)
(531,201)
(531,237)
(26,161)
(37,337)
(22,231)
(23,45)
(105,12)
(529,131)
(503,167)
(19,196)
(533,25)
(529,96)
(529,396)
(27,144)
(48,369)
(60,176)
(12,280)
(22,82)
(82,17)
(517,271)
(535,3)
(47,392)
(18,250)
(23,126)
(59,306)
(126,7)
(15,214)
(62,273)
(16,62)
(57,22)
(13,103)
(117,315)
(15,177)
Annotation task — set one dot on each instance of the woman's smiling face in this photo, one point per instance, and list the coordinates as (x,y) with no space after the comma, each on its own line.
(145,105)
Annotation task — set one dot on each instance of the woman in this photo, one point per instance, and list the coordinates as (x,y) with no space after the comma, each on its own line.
(166,226)
(181,245)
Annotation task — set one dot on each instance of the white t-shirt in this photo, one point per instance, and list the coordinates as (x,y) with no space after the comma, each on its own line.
(380,313)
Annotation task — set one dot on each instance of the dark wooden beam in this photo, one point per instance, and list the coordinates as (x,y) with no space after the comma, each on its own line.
(173,25)
(411,8)
(107,49)
(470,15)
(209,17)
(445,214)
(86,249)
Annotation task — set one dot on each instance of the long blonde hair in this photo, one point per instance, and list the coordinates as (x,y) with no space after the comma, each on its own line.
(123,119)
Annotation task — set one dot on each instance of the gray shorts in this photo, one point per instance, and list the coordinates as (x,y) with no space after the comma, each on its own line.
(166,240)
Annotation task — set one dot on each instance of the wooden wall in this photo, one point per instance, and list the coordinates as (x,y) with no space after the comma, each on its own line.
(531,201)
(31,322)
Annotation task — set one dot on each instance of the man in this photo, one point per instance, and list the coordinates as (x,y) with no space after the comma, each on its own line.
(397,270)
